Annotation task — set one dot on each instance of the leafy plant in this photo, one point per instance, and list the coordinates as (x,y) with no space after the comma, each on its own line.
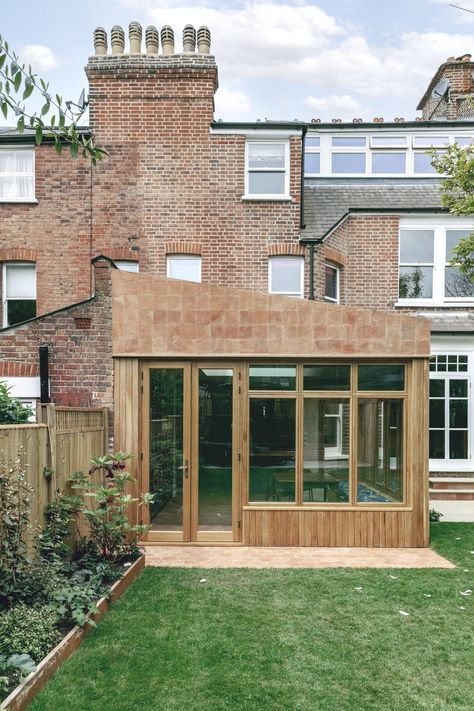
(12,411)
(28,630)
(111,534)
(55,539)
(13,669)
(72,602)
(435,515)
(15,513)
(55,120)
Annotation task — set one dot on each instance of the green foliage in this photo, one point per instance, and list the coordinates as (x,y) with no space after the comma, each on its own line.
(12,411)
(55,540)
(62,124)
(28,630)
(435,515)
(106,507)
(15,513)
(457,164)
(13,669)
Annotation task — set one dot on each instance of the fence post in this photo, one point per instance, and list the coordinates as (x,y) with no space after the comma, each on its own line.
(49,417)
(105,424)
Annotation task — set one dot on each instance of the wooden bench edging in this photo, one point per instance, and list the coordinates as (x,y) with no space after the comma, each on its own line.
(25,692)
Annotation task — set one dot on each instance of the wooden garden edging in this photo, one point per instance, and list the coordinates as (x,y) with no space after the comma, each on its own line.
(34,682)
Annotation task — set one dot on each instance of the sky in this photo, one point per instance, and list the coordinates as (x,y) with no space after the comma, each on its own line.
(280,60)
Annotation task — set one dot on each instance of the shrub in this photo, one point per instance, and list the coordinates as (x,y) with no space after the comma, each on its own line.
(12,411)
(28,630)
(435,515)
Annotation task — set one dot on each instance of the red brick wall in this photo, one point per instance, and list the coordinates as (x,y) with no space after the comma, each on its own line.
(80,348)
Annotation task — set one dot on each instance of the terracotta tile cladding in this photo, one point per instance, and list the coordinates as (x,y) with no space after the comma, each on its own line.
(236,322)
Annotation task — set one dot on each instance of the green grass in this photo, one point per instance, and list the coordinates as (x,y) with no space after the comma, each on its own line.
(282,639)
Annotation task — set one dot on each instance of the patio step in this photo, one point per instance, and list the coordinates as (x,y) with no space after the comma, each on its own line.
(452,488)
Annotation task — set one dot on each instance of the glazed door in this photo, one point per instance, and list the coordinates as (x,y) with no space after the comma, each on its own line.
(190,452)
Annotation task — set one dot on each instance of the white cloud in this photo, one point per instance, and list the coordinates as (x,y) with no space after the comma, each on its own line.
(343,106)
(41,58)
(231,103)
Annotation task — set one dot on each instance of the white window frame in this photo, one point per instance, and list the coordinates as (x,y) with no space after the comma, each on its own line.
(439,226)
(6,265)
(16,148)
(122,264)
(326,149)
(338,282)
(195,257)
(442,345)
(271,261)
(286,170)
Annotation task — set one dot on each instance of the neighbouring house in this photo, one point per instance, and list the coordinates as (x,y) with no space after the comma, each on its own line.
(268,359)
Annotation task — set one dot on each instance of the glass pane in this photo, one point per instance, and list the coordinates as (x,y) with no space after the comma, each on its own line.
(416,246)
(20,310)
(453,237)
(458,445)
(266,183)
(312,162)
(458,388)
(464,140)
(422,163)
(458,413)
(342,141)
(326,450)
(166,448)
(457,284)
(186,268)
(272,377)
(286,275)
(327,377)
(272,449)
(125,266)
(415,282)
(331,283)
(215,450)
(21,281)
(436,387)
(430,141)
(348,162)
(381,377)
(380,451)
(437,413)
(388,141)
(266,155)
(312,142)
(437,444)
(388,162)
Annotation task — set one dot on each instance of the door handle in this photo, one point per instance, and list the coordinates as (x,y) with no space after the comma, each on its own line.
(184,468)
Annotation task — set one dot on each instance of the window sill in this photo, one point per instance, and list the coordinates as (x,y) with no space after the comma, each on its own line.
(434,304)
(26,201)
(266,198)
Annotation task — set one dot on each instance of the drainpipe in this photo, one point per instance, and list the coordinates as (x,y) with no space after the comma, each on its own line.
(44,374)
(304,131)
(311,271)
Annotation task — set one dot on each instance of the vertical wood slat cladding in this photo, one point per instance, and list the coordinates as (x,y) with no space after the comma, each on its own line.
(364,528)
(127,418)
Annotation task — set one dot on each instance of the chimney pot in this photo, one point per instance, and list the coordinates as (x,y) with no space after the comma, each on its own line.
(117,39)
(356,120)
(167,39)
(100,40)
(451,59)
(189,39)
(152,40)
(135,37)
(399,119)
(204,40)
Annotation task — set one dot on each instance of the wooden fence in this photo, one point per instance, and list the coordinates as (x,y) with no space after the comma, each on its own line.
(61,443)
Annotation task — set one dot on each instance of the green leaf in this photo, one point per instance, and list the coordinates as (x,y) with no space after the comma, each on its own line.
(21,124)
(45,109)
(17,81)
(73,149)
(28,91)
(5,109)
(58,146)
(39,135)
(2,59)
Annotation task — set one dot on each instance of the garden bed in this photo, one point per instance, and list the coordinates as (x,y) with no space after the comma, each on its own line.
(22,695)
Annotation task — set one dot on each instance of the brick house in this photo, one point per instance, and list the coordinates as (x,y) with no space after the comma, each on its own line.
(295,418)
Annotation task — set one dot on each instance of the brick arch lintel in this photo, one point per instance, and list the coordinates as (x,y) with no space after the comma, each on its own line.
(18,254)
(123,253)
(14,369)
(283,249)
(333,255)
(180,247)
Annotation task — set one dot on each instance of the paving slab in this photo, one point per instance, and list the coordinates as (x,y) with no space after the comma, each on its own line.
(245,557)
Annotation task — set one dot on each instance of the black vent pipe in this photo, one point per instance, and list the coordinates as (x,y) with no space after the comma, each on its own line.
(44,374)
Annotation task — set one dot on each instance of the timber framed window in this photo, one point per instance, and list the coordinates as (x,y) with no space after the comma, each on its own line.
(327,434)
(17,175)
(267,174)
(332,277)
(19,292)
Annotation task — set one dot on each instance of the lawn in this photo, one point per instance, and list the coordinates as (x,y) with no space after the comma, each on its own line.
(282,639)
